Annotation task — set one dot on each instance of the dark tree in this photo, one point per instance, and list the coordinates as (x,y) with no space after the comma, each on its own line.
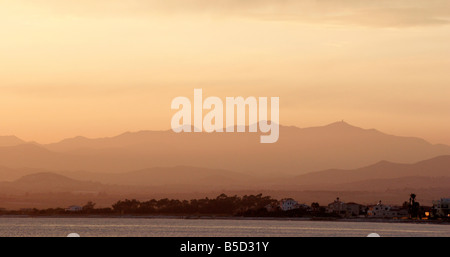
(414,207)
(89,206)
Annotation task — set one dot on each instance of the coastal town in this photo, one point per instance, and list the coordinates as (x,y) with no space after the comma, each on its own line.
(439,209)
(254,206)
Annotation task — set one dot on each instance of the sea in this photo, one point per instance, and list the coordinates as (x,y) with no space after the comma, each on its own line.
(177,227)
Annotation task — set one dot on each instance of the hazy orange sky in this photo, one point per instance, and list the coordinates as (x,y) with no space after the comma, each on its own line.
(102,67)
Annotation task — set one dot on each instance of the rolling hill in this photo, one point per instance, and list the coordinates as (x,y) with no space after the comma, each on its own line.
(435,167)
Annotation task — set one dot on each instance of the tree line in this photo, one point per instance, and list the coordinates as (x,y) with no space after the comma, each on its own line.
(222,204)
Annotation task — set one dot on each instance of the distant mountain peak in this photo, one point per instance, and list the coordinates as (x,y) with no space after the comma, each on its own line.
(77,138)
(10,141)
(383,163)
(340,124)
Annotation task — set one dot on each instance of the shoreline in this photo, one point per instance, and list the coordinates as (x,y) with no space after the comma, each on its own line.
(325,219)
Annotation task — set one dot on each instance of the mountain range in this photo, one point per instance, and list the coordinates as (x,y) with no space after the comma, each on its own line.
(298,151)
(311,163)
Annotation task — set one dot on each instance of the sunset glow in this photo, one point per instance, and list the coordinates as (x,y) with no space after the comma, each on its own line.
(100,68)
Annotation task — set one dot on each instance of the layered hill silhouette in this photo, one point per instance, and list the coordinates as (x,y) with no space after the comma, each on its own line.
(47,182)
(429,178)
(384,170)
(298,151)
(179,176)
(311,164)
(378,177)
(382,185)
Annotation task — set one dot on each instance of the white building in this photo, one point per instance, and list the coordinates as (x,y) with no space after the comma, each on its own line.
(379,210)
(354,209)
(288,204)
(345,209)
(441,207)
(386,211)
(337,207)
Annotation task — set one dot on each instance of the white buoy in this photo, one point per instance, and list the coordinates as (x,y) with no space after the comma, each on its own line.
(373,235)
(73,235)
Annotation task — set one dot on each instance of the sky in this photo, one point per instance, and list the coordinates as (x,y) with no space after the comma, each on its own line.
(102,67)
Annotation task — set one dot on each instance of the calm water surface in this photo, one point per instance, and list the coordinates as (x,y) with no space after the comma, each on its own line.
(160,227)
